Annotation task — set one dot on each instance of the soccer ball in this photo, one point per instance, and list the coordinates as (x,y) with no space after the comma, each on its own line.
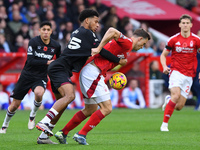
(118,81)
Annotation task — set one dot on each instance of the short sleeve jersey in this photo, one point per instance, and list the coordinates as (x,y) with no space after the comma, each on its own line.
(37,56)
(184,51)
(78,49)
(119,48)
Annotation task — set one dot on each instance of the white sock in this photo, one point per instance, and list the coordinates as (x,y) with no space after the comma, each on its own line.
(35,108)
(165,124)
(8,117)
(49,116)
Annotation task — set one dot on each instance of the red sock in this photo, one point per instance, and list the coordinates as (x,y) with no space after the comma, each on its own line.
(94,120)
(75,121)
(169,111)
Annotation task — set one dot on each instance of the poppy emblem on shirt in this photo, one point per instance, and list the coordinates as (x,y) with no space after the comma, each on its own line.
(45,48)
(184,44)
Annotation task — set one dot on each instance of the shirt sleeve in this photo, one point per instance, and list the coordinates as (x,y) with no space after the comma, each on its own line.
(31,59)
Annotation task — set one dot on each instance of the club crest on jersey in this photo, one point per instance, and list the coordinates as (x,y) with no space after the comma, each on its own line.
(45,48)
(52,50)
(191,43)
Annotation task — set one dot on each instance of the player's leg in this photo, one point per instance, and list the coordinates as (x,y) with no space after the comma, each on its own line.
(44,138)
(38,92)
(75,121)
(67,91)
(95,119)
(10,113)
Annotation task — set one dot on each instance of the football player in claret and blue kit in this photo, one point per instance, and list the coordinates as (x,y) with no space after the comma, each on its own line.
(40,53)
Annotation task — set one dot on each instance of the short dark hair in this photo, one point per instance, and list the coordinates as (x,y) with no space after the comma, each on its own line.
(87,13)
(141,33)
(186,16)
(45,23)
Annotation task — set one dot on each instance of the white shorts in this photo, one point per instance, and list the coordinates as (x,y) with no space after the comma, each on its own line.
(92,85)
(177,79)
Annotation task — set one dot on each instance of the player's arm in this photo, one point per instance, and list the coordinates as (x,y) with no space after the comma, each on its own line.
(31,55)
(163,56)
(109,56)
(110,34)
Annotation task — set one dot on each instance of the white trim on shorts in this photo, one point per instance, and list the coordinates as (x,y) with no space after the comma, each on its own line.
(177,79)
(100,93)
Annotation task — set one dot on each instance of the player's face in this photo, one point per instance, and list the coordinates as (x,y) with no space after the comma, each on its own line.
(93,23)
(140,43)
(185,25)
(45,32)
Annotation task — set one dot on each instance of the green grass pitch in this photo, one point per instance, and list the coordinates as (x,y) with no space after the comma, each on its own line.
(123,129)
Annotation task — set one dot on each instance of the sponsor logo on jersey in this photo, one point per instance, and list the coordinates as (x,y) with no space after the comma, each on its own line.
(43,55)
(184,49)
(121,56)
(178,43)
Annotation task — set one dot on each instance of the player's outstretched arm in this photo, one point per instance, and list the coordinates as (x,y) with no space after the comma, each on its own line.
(163,56)
(110,34)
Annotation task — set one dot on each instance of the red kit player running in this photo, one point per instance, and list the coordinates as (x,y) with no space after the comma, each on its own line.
(183,47)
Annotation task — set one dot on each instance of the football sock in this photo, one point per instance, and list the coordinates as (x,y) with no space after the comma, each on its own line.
(35,108)
(49,116)
(94,120)
(75,121)
(8,118)
(169,111)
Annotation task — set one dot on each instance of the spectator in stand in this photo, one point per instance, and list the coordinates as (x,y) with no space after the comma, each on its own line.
(18,42)
(187,4)
(147,48)
(35,2)
(5,46)
(42,9)
(161,46)
(112,21)
(49,15)
(3,13)
(65,41)
(68,28)
(15,9)
(132,96)
(15,24)
(4,98)
(61,16)
(101,9)
(24,47)
(24,31)
(154,70)
(135,71)
(55,32)
(31,13)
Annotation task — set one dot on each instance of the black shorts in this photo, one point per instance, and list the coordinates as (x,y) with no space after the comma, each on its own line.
(59,75)
(24,84)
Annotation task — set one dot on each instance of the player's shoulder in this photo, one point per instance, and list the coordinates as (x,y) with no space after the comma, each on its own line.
(55,43)
(195,36)
(84,32)
(34,40)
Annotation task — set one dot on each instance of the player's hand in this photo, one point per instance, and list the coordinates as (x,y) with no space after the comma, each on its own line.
(95,51)
(123,62)
(49,61)
(166,70)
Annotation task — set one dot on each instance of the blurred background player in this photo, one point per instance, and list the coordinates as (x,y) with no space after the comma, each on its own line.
(184,47)
(40,54)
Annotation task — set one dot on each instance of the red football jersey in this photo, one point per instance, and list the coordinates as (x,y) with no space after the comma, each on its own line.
(184,51)
(119,48)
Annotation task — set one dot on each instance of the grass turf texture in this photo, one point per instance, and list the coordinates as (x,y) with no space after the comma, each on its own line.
(123,129)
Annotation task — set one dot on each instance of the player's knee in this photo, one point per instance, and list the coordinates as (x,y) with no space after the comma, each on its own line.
(39,94)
